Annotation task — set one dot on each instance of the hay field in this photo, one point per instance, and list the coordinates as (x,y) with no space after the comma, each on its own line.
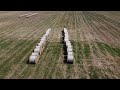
(95,36)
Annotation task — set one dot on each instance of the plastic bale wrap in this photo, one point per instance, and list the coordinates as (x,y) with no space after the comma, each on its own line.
(35,54)
(38,47)
(37,50)
(69,50)
(66,39)
(70,58)
(33,59)
(70,53)
(65,30)
(43,41)
(68,44)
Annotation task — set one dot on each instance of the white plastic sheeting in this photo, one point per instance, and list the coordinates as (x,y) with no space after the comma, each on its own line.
(33,59)
(70,58)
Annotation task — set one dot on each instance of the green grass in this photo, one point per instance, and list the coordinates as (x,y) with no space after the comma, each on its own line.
(69,71)
(109,49)
(77,49)
(95,50)
(93,72)
(114,51)
(15,57)
(54,50)
(87,51)
(101,47)
(117,50)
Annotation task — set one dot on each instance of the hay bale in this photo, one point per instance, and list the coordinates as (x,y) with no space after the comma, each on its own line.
(65,30)
(66,35)
(69,50)
(39,44)
(70,58)
(67,41)
(31,15)
(48,32)
(37,50)
(43,42)
(24,15)
(43,38)
(68,44)
(49,29)
(46,36)
(34,54)
(33,59)
(70,53)
(38,47)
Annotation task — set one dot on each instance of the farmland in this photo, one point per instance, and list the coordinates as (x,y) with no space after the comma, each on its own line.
(95,37)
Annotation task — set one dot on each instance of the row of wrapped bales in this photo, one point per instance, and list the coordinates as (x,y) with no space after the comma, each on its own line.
(24,15)
(28,15)
(69,48)
(31,15)
(33,59)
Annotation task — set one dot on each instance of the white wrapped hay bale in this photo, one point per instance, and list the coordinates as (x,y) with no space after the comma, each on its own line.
(49,29)
(33,59)
(47,34)
(66,39)
(42,44)
(38,47)
(37,50)
(31,15)
(35,54)
(70,58)
(70,53)
(24,15)
(43,38)
(39,44)
(66,35)
(68,44)
(42,41)
(69,50)
(65,30)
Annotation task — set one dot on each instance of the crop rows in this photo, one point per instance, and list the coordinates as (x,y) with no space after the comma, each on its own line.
(95,37)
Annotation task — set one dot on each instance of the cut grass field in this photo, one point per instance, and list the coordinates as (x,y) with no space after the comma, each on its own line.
(95,37)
